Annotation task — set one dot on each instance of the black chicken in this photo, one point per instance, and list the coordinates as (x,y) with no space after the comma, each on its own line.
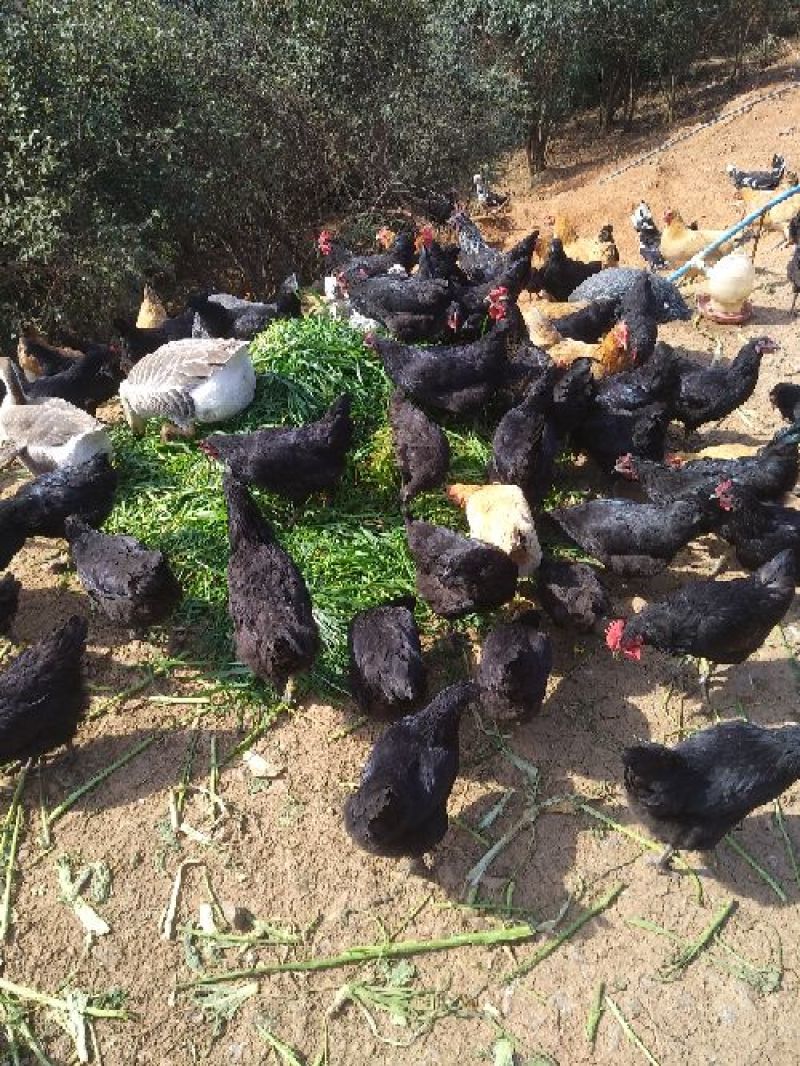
(709,393)
(590,323)
(273,624)
(714,621)
(353,267)
(516,660)
(410,308)
(456,378)
(293,462)
(639,310)
(132,585)
(474,299)
(606,435)
(691,795)
(457,575)
(560,275)
(86,382)
(630,390)
(224,315)
(523,369)
(525,443)
(39,359)
(43,694)
(770,473)
(786,397)
(438,261)
(400,806)
(637,539)
(757,530)
(9,600)
(572,594)
(41,506)
(421,449)
(387,674)
(137,342)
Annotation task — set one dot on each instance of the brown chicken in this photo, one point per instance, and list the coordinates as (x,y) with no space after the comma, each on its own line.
(679,243)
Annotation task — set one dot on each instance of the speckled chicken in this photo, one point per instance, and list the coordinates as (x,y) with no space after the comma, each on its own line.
(692,795)
(387,673)
(295,462)
(457,575)
(274,630)
(132,585)
(421,449)
(43,694)
(400,806)
(456,378)
(516,660)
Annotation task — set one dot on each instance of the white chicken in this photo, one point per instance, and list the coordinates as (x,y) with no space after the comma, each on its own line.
(728,286)
(500,515)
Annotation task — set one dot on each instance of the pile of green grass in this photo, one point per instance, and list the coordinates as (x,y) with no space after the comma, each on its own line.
(352,551)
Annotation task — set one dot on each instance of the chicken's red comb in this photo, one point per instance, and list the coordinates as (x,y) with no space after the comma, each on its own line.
(324,241)
(674,461)
(723,487)
(614,631)
(369,340)
(500,292)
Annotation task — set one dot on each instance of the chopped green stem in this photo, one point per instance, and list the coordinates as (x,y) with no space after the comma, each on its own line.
(595,1012)
(792,855)
(687,956)
(765,875)
(628,1031)
(355,956)
(546,950)
(98,779)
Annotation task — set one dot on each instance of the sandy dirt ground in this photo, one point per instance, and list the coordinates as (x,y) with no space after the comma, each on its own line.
(277,847)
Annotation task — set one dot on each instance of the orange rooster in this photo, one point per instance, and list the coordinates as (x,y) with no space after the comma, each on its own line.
(612,353)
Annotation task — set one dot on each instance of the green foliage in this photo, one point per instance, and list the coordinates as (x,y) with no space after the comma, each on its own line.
(202,144)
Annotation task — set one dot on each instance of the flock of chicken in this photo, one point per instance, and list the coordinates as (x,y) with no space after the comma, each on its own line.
(445,321)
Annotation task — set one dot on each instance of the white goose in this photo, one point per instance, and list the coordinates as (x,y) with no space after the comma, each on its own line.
(45,434)
(189,381)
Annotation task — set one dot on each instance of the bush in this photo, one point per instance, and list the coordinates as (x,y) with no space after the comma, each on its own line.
(205,143)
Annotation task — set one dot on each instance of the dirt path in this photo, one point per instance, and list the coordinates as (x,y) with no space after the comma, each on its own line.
(280,851)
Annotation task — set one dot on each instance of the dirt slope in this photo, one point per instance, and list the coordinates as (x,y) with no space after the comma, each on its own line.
(279,848)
